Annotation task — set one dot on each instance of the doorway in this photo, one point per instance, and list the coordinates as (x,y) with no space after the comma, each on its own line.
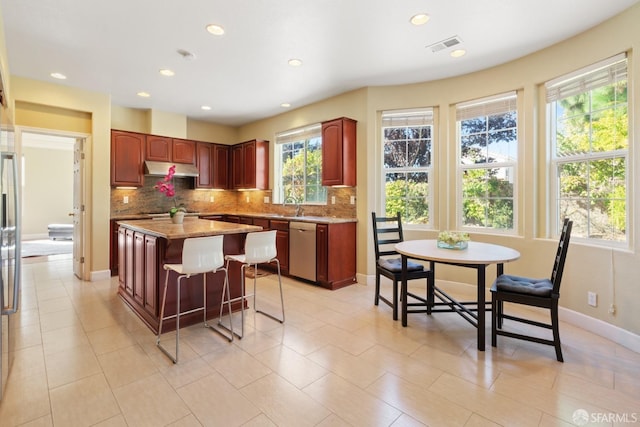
(52,187)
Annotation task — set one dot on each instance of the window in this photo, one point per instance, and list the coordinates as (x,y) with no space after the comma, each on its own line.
(298,166)
(588,131)
(407,150)
(488,149)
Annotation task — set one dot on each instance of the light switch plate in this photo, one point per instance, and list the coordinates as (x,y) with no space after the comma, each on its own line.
(353,200)
(125,199)
(333,200)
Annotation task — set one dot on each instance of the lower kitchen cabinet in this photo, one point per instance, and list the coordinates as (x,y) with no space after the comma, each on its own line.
(138,254)
(336,255)
(282,243)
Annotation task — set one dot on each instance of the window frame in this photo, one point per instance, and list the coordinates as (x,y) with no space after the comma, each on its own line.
(422,116)
(304,133)
(553,96)
(503,102)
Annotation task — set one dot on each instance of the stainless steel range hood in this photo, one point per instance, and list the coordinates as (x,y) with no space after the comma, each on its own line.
(161,169)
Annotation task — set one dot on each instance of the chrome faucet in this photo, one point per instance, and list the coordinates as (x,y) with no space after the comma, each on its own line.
(298,209)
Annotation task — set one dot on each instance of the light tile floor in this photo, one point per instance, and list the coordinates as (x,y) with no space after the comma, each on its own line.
(84,359)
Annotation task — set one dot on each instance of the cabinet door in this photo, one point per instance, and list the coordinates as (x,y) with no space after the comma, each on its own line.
(322,253)
(204,163)
(150,274)
(127,158)
(129,262)
(282,246)
(339,152)
(220,166)
(138,274)
(158,148)
(237,160)
(249,164)
(113,247)
(183,151)
(122,241)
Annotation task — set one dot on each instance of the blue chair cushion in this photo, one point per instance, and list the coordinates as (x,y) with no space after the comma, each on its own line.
(523,285)
(395,265)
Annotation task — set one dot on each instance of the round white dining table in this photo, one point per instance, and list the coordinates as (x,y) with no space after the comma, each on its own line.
(477,255)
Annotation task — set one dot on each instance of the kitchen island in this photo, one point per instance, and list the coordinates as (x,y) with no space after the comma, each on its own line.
(144,246)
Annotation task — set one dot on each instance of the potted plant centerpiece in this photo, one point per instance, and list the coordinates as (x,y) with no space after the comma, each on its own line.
(166,186)
(453,239)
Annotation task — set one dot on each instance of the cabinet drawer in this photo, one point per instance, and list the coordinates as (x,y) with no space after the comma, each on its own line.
(264,223)
(278,224)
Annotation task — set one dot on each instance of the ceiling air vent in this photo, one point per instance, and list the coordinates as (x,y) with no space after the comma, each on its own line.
(445,44)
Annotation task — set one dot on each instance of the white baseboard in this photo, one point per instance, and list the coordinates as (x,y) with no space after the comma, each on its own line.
(599,327)
(94,276)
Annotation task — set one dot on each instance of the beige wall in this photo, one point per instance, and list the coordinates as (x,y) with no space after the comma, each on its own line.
(46,200)
(610,273)
(41,103)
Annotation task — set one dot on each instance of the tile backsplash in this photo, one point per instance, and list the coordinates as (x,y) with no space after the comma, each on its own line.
(146,199)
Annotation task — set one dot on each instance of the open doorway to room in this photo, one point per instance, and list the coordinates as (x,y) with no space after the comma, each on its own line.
(51,194)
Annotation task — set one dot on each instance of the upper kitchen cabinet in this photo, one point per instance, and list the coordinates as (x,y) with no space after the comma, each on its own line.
(204,162)
(212,161)
(127,159)
(220,166)
(183,151)
(165,149)
(250,165)
(158,148)
(339,152)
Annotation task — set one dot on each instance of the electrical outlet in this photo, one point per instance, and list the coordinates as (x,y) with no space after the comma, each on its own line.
(333,200)
(247,199)
(211,199)
(125,199)
(612,309)
(592,299)
(353,200)
(266,199)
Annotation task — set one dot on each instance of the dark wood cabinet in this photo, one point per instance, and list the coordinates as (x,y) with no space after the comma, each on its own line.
(183,151)
(158,148)
(220,166)
(122,242)
(250,165)
(204,163)
(139,270)
(150,275)
(127,159)
(113,247)
(339,152)
(336,255)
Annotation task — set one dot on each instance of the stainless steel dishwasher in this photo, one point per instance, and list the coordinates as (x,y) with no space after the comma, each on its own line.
(302,250)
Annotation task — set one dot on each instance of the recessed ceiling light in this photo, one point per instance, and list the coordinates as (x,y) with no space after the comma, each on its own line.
(294,62)
(285,105)
(167,72)
(419,19)
(458,53)
(205,108)
(143,94)
(58,76)
(215,29)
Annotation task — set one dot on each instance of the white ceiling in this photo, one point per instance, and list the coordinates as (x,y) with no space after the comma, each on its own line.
(118,46)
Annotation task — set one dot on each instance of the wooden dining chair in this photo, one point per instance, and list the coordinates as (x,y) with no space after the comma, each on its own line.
(387,231)
(543,293)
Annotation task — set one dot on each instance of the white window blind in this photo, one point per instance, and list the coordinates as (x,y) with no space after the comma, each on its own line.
(299,134)
(401,118)
(498,104)
(601,74)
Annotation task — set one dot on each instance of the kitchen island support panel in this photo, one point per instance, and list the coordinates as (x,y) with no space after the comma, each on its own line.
(148,245)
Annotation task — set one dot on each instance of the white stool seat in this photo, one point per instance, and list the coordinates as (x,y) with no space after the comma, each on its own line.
(260,248)
(200,255)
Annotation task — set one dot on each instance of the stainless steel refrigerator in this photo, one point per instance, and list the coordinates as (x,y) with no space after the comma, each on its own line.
(10,267)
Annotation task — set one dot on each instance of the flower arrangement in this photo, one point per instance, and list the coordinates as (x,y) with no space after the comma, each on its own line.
(168,189)
(453,239)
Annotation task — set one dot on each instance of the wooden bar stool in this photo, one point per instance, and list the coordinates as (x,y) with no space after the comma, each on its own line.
(259,248)
(200,255)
